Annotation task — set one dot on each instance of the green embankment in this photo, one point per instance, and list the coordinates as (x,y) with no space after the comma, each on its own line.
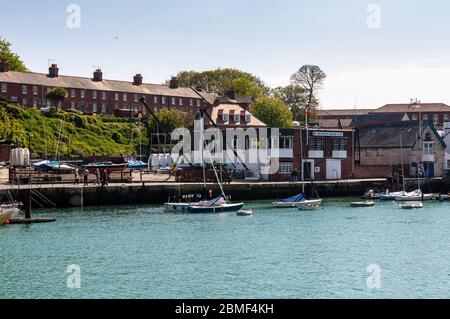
(60,132)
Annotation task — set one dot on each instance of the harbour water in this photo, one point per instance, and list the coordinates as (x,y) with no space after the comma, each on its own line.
(142,252)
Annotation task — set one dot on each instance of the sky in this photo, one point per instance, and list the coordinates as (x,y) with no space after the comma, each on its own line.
(373,52)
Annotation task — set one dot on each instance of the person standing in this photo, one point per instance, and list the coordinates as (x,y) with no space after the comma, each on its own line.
(86,176)
(77,177)
(97,177)
(106,177)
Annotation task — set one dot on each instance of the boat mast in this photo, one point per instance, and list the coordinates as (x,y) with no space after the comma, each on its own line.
(401,159)
(301,161)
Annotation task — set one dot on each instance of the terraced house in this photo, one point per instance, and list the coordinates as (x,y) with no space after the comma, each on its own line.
(97,95)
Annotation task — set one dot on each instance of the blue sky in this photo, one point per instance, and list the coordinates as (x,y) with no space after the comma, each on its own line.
(407,57)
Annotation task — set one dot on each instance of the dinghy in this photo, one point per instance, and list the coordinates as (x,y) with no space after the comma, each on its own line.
(245,212)
(367,203)
(217,205)
(411,205)
(308,204)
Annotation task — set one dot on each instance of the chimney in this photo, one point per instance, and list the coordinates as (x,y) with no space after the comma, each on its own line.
(4,66)
(174,83)
(53,71)
(98,76)
(137,80)
(231,94)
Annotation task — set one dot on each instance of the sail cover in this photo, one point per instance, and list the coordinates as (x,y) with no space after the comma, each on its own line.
(213,202)
(293,199)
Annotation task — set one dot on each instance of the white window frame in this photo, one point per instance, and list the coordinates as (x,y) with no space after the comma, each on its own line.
(191,102)
(125,97)
(225,117)
(24,102)
(174,101)
(4,87)
(155,100)
(35,90)
(103,108)
(199,103)
(163,100)
(73,93)
(248,118)
(82,93)
(425,116)
(136,98)
(446,116)
(103,95)
(414,117)
(290,143)
(428,148)
(24,89)
(285,167)
(94,94)
(94,107)
(237,117)
(180,102)
(116,96)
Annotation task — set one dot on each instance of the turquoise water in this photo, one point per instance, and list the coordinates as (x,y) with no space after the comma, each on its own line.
(142,252)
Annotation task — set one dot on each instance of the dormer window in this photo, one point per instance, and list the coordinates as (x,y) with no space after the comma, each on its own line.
(248,118)
(225,117)
(237,117)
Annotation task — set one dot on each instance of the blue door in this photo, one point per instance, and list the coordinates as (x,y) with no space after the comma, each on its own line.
(429,170)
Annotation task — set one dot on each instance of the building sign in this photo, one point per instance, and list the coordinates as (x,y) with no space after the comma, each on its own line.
(328,134)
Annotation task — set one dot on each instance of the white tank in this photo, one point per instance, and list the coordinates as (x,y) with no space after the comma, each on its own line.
(26,157)
(154,161)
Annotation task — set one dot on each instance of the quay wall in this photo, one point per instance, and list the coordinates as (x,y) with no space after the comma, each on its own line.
(134,194)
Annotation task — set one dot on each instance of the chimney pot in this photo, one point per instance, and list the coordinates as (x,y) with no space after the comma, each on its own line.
(174,83)
(137,80)
(98,76)
(53,71)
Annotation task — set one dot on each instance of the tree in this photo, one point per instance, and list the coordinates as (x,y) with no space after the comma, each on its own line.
(295,97)
(272,111)
(10,129)
(221,80)
(15,62)
(310,78)
(57,95)
(170,118)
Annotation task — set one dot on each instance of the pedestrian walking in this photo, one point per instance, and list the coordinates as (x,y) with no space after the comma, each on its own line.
(97,177)
(86,177)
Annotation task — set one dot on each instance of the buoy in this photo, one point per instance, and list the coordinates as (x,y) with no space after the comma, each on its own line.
(6,222)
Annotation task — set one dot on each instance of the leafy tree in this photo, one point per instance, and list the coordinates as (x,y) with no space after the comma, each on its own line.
(57,95)
(170,118)
(272,111)
(310,78)
(221,80)
(295,97)
(11,129)
(15,62)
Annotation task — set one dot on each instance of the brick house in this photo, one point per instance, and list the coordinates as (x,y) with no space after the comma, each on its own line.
(390,144)
(95,94)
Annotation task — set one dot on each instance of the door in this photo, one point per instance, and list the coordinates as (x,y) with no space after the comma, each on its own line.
(334,169)
(308,170)
(429,170)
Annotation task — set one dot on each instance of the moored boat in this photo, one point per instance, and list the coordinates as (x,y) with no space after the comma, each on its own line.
(218,205)
(411,205)
(290,202)
(417,195)
(245,212)
(367,203)
(108,166)
(4,217)
(308,204)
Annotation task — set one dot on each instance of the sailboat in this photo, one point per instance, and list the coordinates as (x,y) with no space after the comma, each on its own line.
(299,200)
(219,204)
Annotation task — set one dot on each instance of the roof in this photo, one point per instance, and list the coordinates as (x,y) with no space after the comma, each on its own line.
(234,109)
(241,99)
(403,108)
(73,82)
(344,112)
(334,123)
(374,119)
(393,135)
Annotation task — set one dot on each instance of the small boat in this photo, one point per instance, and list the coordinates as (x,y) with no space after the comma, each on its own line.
(370,194)
(308,204)
(245,212)
(388,195)
(290,202)
(217,205)
(109,166)
(180,203)
(414,196)
(367,203)
(411,205)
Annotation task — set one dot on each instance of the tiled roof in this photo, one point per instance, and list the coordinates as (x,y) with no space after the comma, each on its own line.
(234,109)
(72,82)
(344,112)
(403,108)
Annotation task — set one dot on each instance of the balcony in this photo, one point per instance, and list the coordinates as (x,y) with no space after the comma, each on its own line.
(315,154)
(340,154)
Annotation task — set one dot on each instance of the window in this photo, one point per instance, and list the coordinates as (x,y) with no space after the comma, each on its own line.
(254,143)
(24,89)
(285,167)
(414,117)
(174,101)
(72,105)
(136,98)
(94,108)
(237,117)
(24,102)
(4,87)
(163,100)
(446,116)
(94,95)
(286,143)
(34,103)
(199,103)
(436,118)
(72,93)
(35,90)
(248,118)
(82,93)
(103,108)
(339,144)
(425,116)
(428,148)
(103,95)
(82,107)
(448,164)
(316,144)
(155,99)
(116,97)
(191,102)
(125,97)
(181,102)
(225,117)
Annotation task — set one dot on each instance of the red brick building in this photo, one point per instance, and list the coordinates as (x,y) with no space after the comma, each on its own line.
(95,94)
